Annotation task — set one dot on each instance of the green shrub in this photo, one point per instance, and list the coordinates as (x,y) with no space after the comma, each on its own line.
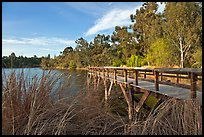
(72,64)
(118,63)
(134,61)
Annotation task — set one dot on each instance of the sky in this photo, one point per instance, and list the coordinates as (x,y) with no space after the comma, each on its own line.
(42,28)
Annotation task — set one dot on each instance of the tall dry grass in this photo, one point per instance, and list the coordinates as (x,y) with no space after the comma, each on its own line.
(38,107)
(32,107)
(172,117)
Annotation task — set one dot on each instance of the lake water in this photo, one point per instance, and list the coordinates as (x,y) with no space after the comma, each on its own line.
(76,79)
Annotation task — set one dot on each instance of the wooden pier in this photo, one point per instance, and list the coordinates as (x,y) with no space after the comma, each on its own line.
(149,81)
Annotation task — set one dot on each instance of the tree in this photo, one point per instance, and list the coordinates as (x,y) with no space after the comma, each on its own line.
(67,50)
(183,27)
(197,58)
(148,25)
(161,54)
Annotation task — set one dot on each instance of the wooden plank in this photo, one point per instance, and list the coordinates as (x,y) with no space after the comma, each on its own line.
(142,100)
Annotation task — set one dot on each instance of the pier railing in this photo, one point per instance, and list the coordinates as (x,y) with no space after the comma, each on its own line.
(156,75)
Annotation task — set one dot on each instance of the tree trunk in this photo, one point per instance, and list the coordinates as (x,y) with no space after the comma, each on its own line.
(182,59)
(182,53)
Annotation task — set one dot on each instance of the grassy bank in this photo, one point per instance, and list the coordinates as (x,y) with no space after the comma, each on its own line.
(36,108)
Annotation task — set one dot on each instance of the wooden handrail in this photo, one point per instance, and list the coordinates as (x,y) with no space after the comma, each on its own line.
(191,73)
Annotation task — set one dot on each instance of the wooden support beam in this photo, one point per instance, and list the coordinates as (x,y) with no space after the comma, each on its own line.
(88,83)
(98,81)
(142,100)
(128,102)
(131,97)
(156,81)
(109,90)
(193,85)
(106,91)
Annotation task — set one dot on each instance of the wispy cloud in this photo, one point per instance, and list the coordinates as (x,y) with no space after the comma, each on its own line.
(115,17)
(90,8)
(118,16)
(38,41)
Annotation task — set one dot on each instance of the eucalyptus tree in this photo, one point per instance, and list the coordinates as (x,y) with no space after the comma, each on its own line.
(82,54)
(100,50)
(147,25)
(183,27)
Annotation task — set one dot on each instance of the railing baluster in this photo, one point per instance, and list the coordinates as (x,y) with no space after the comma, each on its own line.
(193,85)
(115,76)
(136,77)
(125,77)
(156,84)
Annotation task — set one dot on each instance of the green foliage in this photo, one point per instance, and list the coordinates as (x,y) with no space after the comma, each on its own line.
(161,54)
(72,64)
(197,58)
(12,61)
(117,63)
(134,61)
(183,26)
(159,39)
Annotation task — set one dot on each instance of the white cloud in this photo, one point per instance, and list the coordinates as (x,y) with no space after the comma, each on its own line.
(40,41)
(161,7)
(115,17)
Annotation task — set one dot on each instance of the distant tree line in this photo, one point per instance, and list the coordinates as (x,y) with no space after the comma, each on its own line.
(12,61)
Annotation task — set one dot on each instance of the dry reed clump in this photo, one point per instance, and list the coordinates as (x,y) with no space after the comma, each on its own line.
(172,117)
(29,107)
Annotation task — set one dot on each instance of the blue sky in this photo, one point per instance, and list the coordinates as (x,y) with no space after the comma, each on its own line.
(42,28)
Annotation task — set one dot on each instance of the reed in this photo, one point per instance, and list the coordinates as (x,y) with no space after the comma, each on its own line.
(35,106)
(172,117)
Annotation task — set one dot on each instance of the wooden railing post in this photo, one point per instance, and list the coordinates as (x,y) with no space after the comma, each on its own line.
(193,85)
(125,77)
(177,78)
(104,73)
(107,72)
(115,76)
(156,82)
(136,77)
(145,75)
(161,77)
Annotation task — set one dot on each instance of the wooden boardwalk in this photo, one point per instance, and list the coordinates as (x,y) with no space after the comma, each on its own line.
(169,90)
(138,80)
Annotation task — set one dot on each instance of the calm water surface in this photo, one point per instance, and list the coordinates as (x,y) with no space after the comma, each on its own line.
(76,78)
